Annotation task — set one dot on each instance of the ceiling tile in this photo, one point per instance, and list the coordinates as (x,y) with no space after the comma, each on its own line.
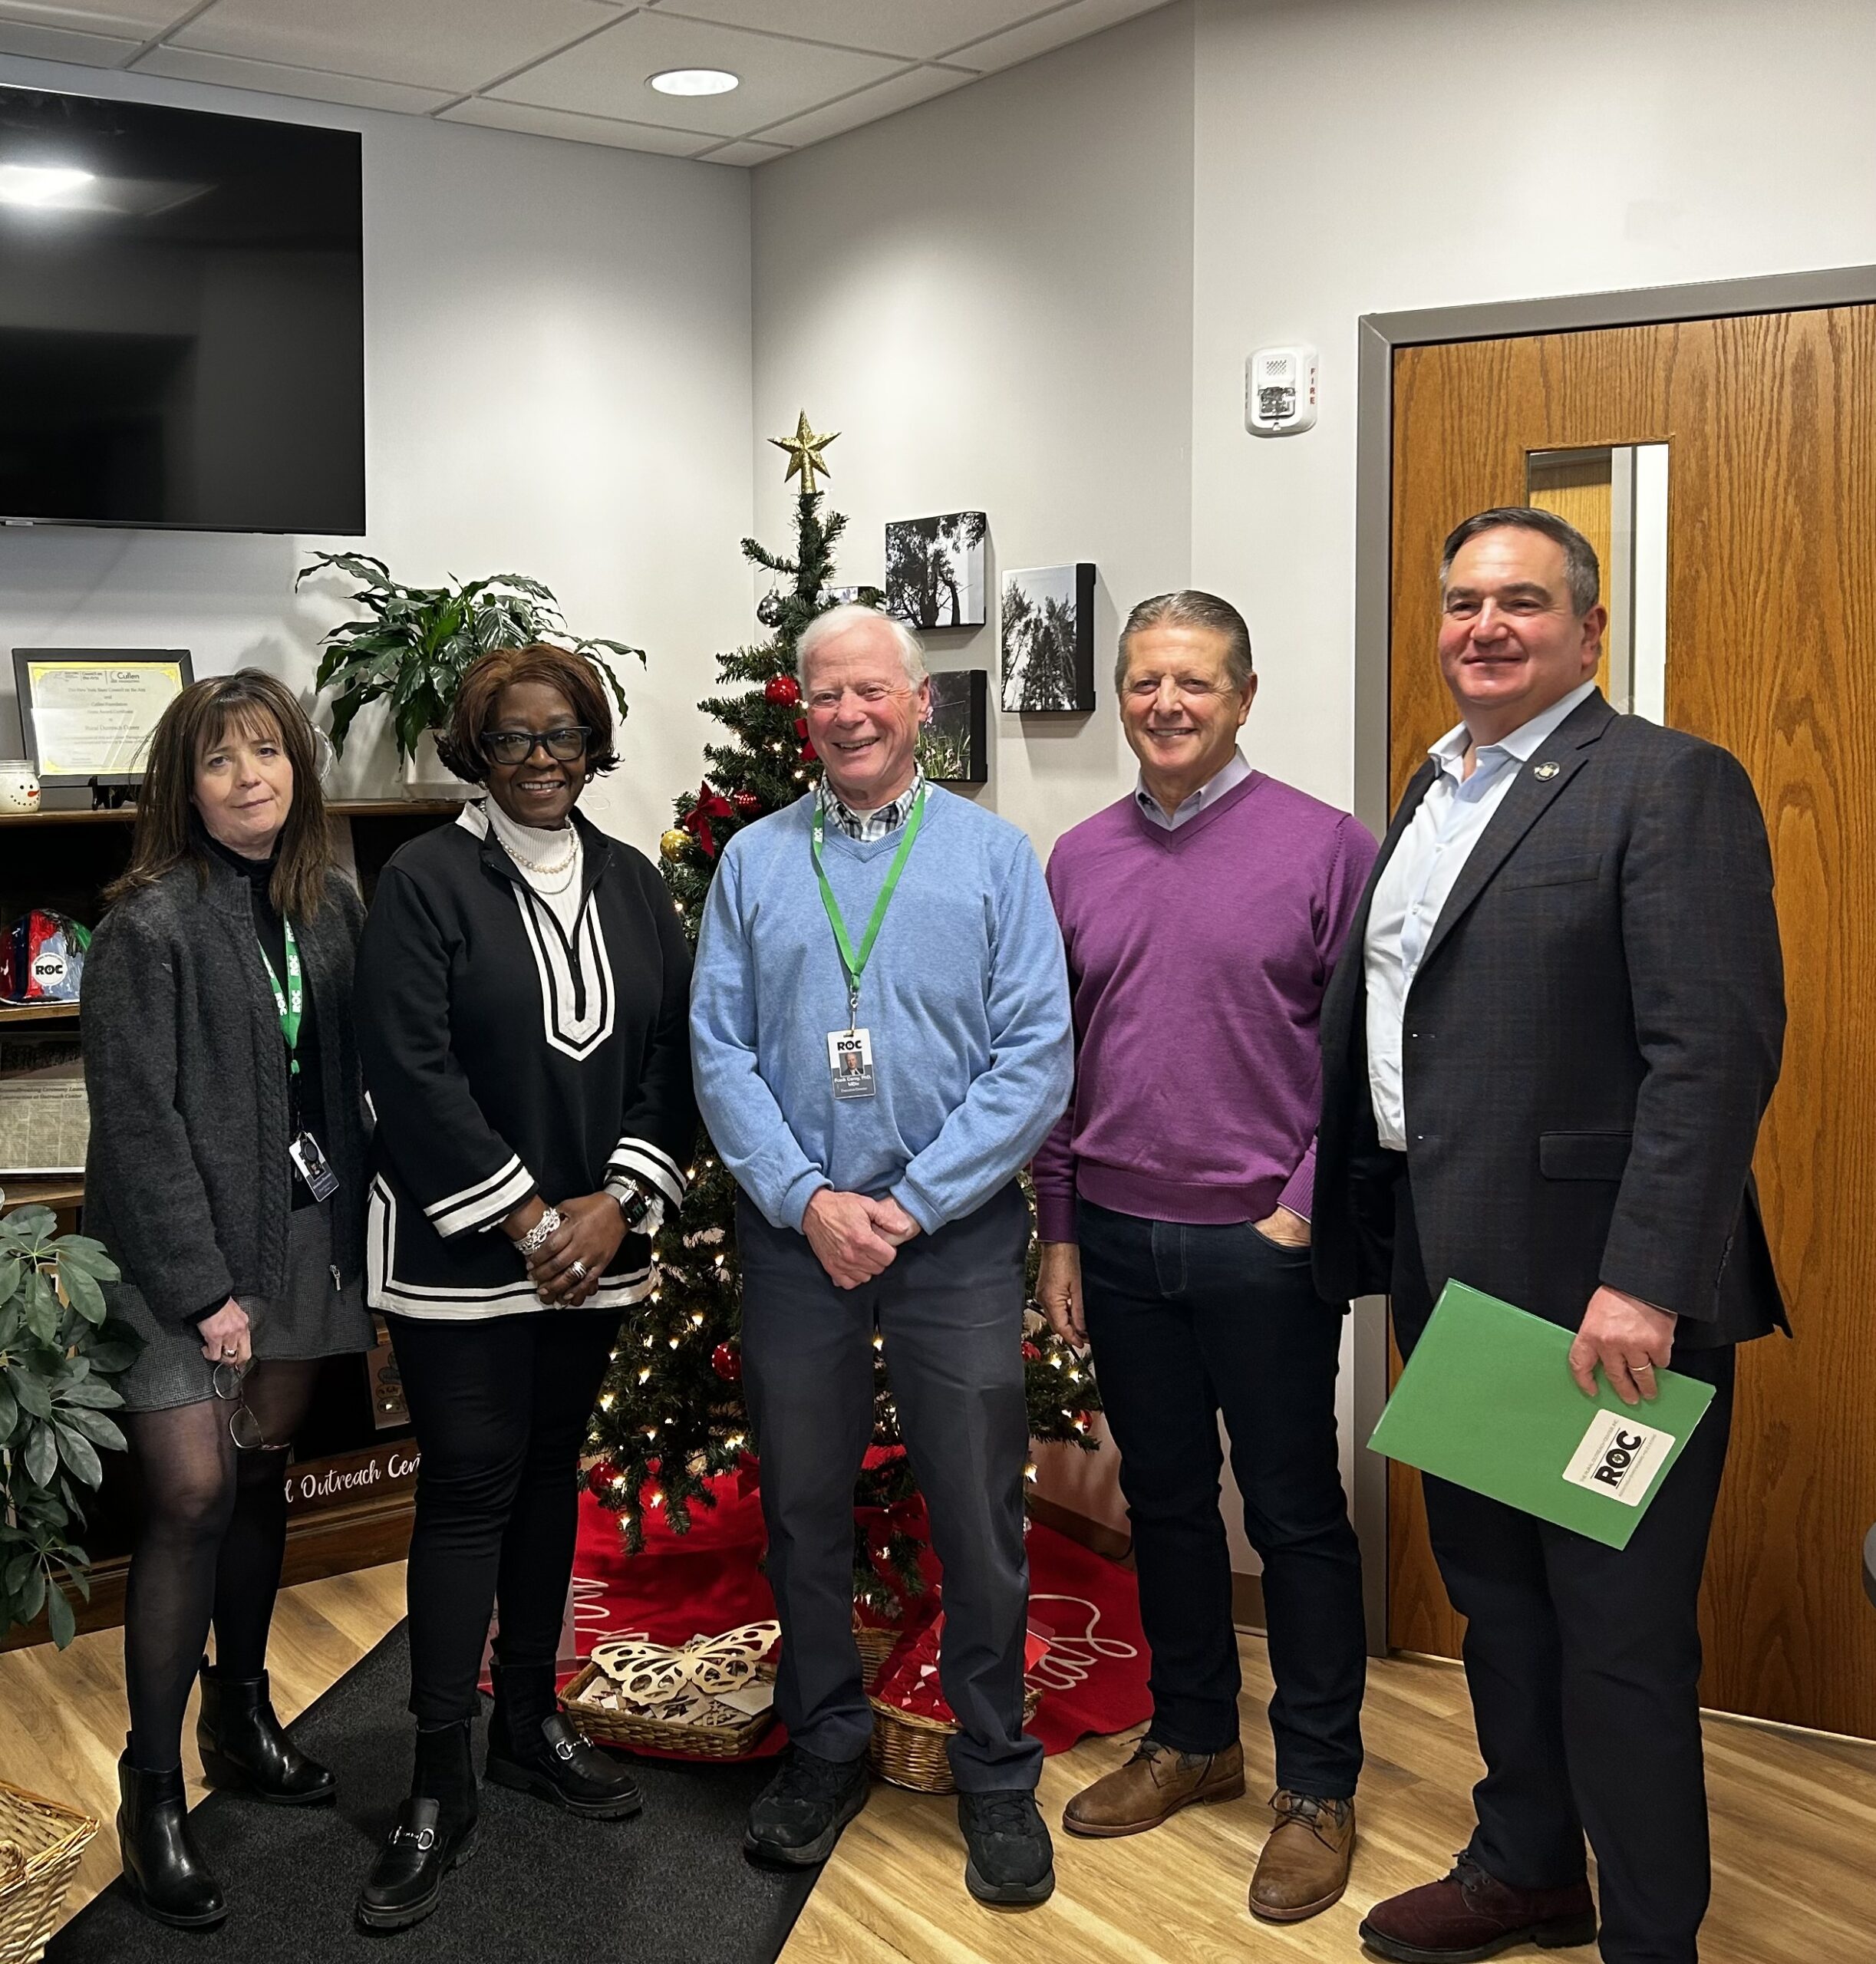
(912,27)
(744,151)
(867,106)
(95,51)
(487,114)
(190,64)
(1055,29)
(453,45)
(607,76)
(137,19)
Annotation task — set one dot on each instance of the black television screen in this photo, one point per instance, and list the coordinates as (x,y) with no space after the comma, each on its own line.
(181,318)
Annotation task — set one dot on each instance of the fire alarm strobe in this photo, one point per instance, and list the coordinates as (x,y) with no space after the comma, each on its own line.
(1280,390)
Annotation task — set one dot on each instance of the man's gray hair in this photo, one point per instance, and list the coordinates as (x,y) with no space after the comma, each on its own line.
(1190,607)
(838,620)
(1582,575)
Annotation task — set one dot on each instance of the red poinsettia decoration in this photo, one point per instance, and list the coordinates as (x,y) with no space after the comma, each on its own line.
(808,753)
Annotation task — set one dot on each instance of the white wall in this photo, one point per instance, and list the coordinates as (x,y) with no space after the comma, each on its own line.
(558,371)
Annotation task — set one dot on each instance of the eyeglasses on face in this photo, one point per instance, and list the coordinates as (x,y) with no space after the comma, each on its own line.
(515,746)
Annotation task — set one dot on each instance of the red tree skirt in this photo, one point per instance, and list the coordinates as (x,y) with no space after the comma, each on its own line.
(1093,1679)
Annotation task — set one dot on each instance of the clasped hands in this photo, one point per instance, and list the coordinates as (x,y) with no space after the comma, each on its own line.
(566,1267)
(854,1238)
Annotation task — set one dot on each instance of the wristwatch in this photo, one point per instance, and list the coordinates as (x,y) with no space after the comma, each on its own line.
(636,1208)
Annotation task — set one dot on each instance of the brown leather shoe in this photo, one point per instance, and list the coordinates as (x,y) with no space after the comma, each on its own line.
(1473,1915)
(1305,1865)
(1157,1781)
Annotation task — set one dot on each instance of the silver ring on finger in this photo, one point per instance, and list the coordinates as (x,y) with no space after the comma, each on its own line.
(577,1270)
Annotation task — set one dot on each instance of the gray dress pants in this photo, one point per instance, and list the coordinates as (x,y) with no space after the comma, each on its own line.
(951,1310)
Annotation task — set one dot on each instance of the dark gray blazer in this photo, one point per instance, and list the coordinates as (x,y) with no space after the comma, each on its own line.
(187,1182)
(1590,1043)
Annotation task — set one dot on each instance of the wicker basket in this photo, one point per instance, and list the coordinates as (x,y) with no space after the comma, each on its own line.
(876,1643)
(48,1840)
(909,1751)
(619,1728)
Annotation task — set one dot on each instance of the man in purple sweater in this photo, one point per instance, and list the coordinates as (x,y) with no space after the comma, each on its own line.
(1202,915)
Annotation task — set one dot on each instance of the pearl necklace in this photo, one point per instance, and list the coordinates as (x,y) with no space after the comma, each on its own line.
(534,866)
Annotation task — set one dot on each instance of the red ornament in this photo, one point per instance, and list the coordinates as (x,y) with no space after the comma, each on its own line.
(783,690)
(727,1361)
(747,803)
(1032,1352)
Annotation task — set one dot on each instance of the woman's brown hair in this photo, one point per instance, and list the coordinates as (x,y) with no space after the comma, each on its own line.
(460,745)
(168,832)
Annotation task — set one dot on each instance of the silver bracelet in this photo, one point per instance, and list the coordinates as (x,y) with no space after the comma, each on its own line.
(543,1230)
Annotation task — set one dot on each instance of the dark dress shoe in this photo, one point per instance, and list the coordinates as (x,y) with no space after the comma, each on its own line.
(163,1868)
(534,1748)
(243,1746)
(1011,1860)
(436,1830)
(796,1819)
(1471,1915)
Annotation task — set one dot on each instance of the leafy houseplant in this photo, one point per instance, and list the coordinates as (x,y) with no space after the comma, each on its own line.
(415,643)
(57,1360)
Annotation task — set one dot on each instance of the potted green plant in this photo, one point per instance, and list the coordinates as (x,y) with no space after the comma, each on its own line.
(59,1355)
(413,644)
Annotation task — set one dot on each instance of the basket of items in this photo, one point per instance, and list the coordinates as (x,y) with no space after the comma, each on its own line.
(40,1845)
(710,1698)
(912,1721)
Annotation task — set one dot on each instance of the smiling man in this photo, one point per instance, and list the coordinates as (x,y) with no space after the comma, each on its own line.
(880,1030)
(1202,915)
(1545,1077)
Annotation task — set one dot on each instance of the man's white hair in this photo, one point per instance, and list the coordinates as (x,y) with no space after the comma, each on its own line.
(838,620)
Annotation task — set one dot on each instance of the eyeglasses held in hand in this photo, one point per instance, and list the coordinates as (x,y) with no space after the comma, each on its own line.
(515,746)
(243,1428)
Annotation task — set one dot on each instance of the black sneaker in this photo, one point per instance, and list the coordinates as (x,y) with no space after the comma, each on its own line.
(797,1818)
(1011,1859)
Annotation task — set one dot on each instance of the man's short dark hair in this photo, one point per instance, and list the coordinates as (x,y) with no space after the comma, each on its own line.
(1581,571)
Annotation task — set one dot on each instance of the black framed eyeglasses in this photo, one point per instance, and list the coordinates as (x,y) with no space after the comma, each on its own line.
(243,1428)
(515,746)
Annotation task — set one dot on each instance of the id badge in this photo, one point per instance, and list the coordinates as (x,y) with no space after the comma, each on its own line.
(850,1063)
(309,1161)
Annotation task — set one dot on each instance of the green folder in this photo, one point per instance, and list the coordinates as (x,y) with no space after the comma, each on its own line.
(1487,1401)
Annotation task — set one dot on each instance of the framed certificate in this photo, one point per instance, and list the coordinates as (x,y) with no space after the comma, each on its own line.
(89,712)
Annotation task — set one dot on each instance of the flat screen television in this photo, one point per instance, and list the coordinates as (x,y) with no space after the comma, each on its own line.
(181,318)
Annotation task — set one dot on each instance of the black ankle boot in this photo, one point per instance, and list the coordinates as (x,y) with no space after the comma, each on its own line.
(532,1747)
(243,1746)
(436,1830)
(167,1876)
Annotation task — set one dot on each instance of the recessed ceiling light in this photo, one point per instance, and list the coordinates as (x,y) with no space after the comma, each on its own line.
(695,81)
(38,183)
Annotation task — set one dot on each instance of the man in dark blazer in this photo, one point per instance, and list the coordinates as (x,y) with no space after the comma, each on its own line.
(1546,1054)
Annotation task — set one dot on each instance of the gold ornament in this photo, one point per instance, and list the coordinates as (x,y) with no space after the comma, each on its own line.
(804,450)
(672,845)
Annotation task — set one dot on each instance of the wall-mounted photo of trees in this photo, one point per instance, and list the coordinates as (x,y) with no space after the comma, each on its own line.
(935,570)
(1048,640)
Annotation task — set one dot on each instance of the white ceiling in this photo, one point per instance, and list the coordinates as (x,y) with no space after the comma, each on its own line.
(576,68)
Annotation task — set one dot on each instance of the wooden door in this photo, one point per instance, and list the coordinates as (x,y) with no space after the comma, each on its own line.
(1771,422)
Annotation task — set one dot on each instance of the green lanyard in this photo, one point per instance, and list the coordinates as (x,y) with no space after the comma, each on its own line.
(853,964)
(291,1001)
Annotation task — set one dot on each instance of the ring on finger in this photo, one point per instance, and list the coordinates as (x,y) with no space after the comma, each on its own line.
(577,1270)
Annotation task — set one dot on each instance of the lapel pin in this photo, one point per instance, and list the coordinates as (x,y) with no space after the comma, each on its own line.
(1546,771)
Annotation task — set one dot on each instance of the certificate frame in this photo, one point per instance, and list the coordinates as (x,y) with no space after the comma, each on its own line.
(114,756)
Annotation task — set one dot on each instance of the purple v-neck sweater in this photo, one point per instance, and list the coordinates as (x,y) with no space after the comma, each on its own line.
(1197,961)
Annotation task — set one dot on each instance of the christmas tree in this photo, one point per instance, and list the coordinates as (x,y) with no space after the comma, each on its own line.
(670,1418)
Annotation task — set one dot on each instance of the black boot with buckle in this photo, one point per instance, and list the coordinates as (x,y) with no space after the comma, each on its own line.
(163,1867)
(436,1830)
(532,1748)
(243,1746)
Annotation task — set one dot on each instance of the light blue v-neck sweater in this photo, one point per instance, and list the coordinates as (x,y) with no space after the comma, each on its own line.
(966,996)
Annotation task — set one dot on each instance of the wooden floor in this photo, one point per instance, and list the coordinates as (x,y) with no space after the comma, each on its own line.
(1794,1821)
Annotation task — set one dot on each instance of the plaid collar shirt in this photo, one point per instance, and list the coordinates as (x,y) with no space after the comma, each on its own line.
(866,826)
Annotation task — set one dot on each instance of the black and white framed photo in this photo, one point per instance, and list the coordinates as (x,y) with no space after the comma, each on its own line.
(953,746)
(935,570)
(1048,640)
(89,712)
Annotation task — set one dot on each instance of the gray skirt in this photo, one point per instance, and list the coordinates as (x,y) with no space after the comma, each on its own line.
(312,1319)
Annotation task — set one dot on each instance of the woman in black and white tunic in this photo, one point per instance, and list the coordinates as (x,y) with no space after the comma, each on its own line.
(522,986)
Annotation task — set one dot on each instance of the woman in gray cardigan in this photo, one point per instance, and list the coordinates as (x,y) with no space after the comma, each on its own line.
(226,1175)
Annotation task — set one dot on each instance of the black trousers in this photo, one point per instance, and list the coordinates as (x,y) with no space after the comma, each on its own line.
(500,1408)
(1187,1321)
(1583,1664)
(950,1309)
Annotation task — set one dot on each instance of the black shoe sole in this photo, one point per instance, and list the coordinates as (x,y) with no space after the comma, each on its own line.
(1560,1935)
(224,1774)
(810,1854)
(211,1919)
(528,1780)
(382,1922)
(1008,1895)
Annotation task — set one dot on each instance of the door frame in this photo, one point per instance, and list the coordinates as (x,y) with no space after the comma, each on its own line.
(1378,336)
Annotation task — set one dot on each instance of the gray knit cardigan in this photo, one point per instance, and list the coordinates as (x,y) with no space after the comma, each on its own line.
(187,1181)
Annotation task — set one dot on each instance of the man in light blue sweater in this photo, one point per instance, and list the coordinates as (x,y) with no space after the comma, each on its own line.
(880,1031)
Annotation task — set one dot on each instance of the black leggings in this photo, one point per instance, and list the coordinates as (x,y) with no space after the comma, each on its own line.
(500,1408)
(212,1529)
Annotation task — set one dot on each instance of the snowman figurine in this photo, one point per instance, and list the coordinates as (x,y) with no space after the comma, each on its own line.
(19,789)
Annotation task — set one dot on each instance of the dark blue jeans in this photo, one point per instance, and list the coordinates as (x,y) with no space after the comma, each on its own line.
(1187,1323)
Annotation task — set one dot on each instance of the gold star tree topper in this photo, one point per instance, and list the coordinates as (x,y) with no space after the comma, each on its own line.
(804,450)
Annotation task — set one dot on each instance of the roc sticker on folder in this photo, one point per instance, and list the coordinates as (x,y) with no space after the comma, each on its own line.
(1487,1401)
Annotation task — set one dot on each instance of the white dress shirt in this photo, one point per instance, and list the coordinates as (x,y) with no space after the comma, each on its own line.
(1233,775)
(1413,888)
